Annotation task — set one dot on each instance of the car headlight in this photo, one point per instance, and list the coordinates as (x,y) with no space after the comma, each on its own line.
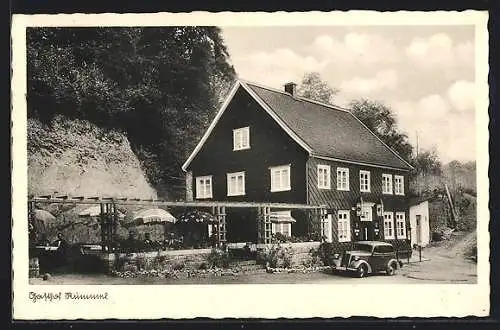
(356,258)
(336,256)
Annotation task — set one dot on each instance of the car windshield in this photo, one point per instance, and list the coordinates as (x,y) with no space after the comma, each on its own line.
(362,247)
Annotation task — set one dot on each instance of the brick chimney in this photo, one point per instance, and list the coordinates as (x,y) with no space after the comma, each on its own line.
(291,88)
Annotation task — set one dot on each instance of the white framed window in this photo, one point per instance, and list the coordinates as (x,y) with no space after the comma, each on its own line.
(284,228)
(241,138)
(399,185)
(400,225)
(344,226)
(366,212)
(342,178)
(386,184)
(323,176)
(204,186)
(388,225)
(236,184)
(280,178)
(364,181)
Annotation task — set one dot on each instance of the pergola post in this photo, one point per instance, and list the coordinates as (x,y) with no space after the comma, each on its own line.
(31,222)
(103,227)
(220,214)
(114,225)
(108,224)
(265,227)
(322,221)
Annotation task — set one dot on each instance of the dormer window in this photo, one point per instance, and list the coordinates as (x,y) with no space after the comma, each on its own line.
(241,138)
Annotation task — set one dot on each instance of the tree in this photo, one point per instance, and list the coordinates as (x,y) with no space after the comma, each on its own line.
(427,163)
(154,83)
(314,88)
(379,118)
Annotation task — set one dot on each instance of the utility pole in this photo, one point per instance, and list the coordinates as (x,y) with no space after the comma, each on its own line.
(417,143)
(418,174)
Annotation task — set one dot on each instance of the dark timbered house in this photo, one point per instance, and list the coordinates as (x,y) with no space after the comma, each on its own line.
(268,145)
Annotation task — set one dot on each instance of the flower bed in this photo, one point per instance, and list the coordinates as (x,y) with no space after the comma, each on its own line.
(178,274)
(297,269)
(295,257)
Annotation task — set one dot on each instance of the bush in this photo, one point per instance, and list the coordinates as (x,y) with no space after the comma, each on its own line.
(141,262)
(178,266)
(159,261)
(278,256)
(314,258)
(325,253)
(218,258)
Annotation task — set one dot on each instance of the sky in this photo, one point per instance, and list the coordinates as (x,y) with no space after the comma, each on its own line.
(424,73)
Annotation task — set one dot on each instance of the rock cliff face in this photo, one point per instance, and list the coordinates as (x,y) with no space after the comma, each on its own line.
(77,157)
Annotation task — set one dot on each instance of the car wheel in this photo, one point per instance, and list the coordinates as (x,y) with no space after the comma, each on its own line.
(392,269)
(362,271)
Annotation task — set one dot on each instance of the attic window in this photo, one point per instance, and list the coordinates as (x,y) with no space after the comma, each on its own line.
(241,138)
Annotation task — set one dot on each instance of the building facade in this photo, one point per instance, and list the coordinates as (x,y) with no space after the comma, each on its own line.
(266,145)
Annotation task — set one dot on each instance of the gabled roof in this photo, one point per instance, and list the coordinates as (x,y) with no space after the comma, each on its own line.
(322,130)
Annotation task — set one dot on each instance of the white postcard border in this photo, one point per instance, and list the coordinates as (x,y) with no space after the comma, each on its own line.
(244,301)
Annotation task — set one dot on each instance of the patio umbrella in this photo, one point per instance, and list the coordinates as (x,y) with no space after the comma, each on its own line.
(42,219)
(152,216)
(44,216)
(197,217)
(95,211)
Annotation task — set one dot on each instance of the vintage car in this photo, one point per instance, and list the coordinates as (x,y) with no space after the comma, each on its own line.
(368,257)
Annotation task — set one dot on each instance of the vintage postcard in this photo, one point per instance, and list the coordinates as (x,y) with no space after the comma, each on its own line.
(250,165)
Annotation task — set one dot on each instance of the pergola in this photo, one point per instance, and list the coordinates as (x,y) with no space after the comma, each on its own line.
(109,213)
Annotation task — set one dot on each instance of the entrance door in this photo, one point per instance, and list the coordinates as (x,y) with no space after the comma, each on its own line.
(366,223)
(366,233)
(419,228)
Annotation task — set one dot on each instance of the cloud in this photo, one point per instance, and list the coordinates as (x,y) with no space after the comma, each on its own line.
(439,50)
(439,124)
(385,79)
(276,67)
(462,95)
(358,48)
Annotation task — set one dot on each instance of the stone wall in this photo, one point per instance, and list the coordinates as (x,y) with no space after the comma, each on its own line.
(177,259)
(187,259)
(301,252)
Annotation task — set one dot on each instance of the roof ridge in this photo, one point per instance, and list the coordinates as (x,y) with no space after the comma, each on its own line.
(331,106)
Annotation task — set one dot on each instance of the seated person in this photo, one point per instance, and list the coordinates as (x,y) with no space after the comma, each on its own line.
(130,244)
(61,244)
(62,249)
(149,244)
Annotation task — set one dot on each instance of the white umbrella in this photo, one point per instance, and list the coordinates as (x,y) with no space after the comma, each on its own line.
(95,211)
(151,216)
(44,216)
(42,219)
